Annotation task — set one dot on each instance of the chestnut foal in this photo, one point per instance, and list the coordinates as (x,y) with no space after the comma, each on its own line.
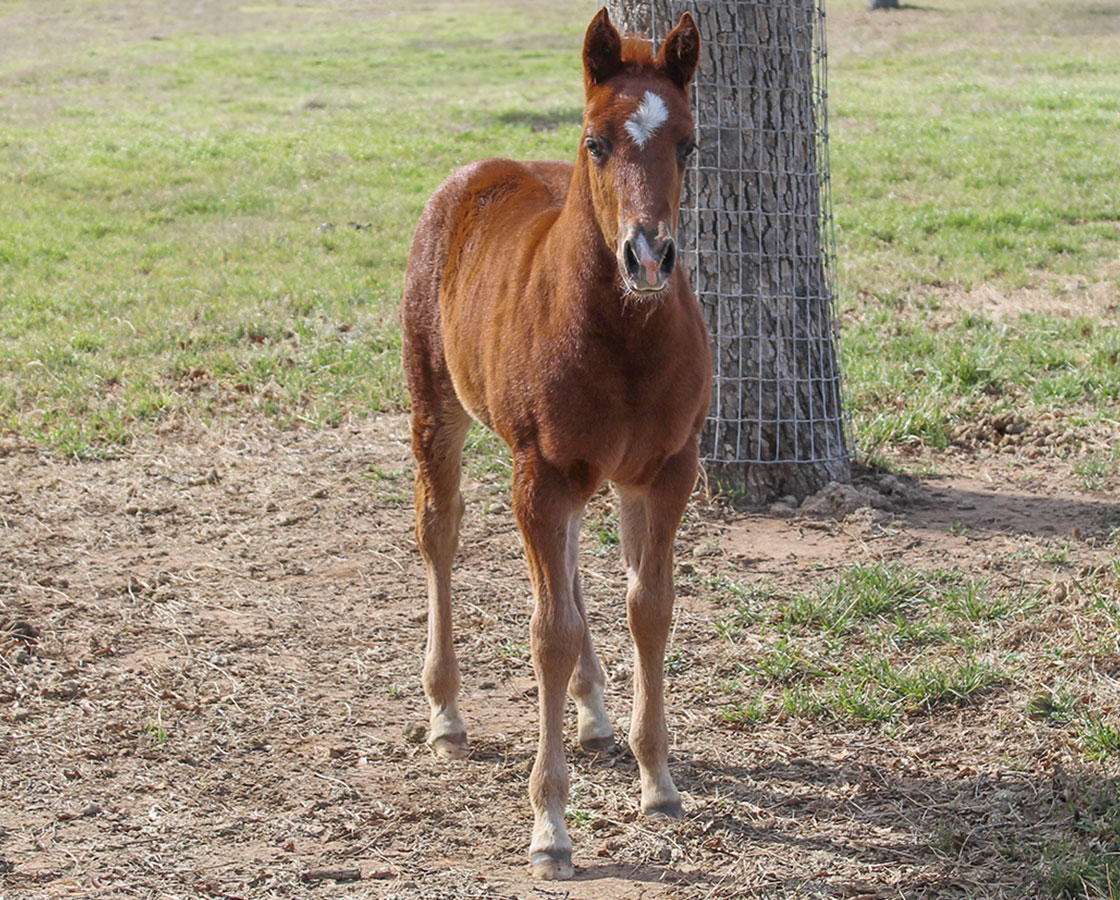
(544,300)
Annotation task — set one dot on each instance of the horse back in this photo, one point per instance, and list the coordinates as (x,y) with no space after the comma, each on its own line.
(485,211)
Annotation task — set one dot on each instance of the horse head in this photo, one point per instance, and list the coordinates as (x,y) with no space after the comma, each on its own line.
(637,137)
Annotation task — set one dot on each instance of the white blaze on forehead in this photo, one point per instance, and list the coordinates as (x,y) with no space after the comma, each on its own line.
(650,116)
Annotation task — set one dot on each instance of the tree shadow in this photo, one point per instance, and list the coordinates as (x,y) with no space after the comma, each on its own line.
(905,7)
(1010,834)
(540,120)
(945,507)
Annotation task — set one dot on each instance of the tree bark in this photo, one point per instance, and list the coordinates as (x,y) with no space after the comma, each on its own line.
(751,228)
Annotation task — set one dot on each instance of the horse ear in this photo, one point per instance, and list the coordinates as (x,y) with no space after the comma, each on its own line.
(681,52)
(602,50)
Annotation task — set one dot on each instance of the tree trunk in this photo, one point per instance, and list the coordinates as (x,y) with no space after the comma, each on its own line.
(752,231)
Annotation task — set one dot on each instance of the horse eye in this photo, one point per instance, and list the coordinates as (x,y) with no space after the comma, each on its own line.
(594,147)
(687,149)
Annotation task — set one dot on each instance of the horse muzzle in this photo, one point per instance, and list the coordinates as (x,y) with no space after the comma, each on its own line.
(646,261)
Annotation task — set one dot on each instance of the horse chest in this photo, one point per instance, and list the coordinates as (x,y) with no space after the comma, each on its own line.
(622,416)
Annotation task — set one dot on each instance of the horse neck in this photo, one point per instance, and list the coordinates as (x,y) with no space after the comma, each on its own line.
(580,240)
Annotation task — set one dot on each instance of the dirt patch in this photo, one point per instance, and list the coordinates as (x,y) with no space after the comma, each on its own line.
(209,686)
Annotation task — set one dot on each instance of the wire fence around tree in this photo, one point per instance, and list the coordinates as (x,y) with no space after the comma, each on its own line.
(756,227)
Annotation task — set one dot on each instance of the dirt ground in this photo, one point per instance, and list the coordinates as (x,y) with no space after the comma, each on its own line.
(209,687)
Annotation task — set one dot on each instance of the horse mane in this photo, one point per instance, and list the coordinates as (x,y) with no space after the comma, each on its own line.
(637,53)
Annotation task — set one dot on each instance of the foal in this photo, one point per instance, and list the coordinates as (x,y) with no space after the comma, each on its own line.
(544,300)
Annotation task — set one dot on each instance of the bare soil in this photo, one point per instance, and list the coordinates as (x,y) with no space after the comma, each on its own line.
(209,687)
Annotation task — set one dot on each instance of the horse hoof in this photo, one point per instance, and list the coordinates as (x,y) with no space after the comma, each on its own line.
(450,746)
(671,810)
(551,865)
(599,744)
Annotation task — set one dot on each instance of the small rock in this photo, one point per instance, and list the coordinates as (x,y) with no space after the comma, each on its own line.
(868,516)
(416,733)
(784,507)
(23,631)
(85,813)
(66,690)
(890,484)
(836,500)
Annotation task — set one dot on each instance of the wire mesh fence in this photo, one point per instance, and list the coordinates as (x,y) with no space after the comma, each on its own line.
(756,225)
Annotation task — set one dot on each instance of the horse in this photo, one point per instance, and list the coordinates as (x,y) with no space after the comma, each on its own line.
(544,300)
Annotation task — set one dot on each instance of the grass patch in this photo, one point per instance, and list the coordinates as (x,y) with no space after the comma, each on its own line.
(860,594)
(604,531)
(875,643)
(970,163)
(1100,738)
(486,456)
(221,226)
(930,178)
(216,222)
(1087,863)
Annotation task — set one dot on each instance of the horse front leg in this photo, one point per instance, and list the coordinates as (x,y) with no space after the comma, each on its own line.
(545,505)
(649,520)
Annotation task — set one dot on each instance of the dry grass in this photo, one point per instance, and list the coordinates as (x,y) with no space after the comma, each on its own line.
(210,686)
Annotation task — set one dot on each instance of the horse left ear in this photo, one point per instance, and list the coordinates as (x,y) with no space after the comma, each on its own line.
(681,52)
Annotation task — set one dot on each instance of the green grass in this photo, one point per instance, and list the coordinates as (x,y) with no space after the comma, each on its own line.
(967,155)
(217,221)
(972,152)
(1087,864)
(603,530)
(211,218)
(920,383)
(905,651)
(874,643)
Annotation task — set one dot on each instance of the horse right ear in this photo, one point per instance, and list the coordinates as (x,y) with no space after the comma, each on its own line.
(602,50)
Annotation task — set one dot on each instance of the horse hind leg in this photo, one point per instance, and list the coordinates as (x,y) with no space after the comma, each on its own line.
(586,685)
(437,441)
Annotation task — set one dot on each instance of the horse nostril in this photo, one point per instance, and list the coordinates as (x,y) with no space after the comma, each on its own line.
(669,260)
(631,259)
